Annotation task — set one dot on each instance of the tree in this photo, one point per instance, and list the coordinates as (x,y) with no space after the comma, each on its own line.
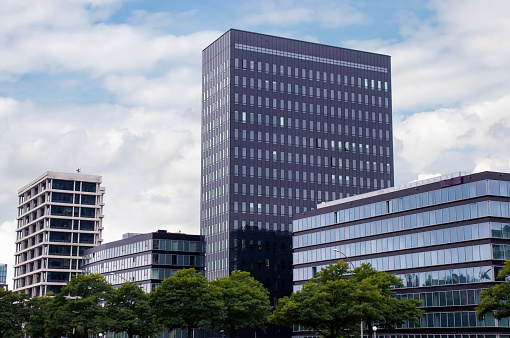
(245,300)
(496,299)
(335,302)
(130,311)
(375,299)
(39,315)
(87,295)
(186,301)
(49,317)
(13,313)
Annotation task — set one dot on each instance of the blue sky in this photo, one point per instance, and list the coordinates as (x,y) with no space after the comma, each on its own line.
(113,87)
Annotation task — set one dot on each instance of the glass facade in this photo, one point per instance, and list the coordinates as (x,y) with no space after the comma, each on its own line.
(286,125)
(60,215)
(446,239)
(146,259)
(3,276)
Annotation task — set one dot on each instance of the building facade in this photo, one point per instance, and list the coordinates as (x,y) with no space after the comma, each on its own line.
(60,215)
(146,259)
(3,276)
(286,124)
(446,238)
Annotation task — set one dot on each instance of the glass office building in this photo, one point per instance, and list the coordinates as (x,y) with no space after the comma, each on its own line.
(60,215)
(286,125)
(446,238)
(146,259)
(3,276)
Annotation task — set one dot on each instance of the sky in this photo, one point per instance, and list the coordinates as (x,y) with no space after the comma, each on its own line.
(113,87)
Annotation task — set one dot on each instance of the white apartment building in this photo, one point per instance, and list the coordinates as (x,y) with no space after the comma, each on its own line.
(60,215)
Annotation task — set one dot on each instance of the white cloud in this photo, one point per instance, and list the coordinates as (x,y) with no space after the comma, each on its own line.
(99,49)
(329,14)
(179,87)
(450,88)
(460,55)
(470,138)
(7,238)
(59,36)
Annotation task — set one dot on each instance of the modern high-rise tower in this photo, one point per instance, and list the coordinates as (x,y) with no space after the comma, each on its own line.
(286,125)
(60,215)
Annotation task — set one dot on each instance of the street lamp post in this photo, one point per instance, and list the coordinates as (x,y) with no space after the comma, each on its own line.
(350,262)
(374,328)
(352,265)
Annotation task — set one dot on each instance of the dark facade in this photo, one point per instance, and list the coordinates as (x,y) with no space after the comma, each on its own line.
(286,124)
(146,259)
(446,238)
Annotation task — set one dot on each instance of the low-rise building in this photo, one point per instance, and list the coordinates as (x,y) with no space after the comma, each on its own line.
(445,237)
(146,259)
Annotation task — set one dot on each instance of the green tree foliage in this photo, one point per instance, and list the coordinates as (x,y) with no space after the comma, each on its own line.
(130,312)
(84,306)
(335,302)
(186,301)
(40,308)
(496,299)
(245,301)
(13,313)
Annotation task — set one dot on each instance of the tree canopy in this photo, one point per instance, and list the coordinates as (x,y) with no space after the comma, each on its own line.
(87,295)
(13,313)
(130,312)
(335,302)
(245,302)
(186,301)
(496,299)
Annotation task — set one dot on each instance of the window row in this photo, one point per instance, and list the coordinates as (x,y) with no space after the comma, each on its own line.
(475,274)
(240,224)
(178,260)
(64,250)
(272,103)
(219,70)
(311,142)
(68,237)
(445,195)
(402,242)
(298,56)
(282,192)
(120,277)
(288,88)
(72,185)
(59,210)
(422,219)
(404,261)
(58,197)
(120,263)
(455,319)
(444,298)
(249,171)
(67,224)
(177,245)
(303,124)
(312,160)
(121,250)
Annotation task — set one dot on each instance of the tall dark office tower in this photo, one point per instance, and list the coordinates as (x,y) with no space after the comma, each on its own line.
(286,125)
